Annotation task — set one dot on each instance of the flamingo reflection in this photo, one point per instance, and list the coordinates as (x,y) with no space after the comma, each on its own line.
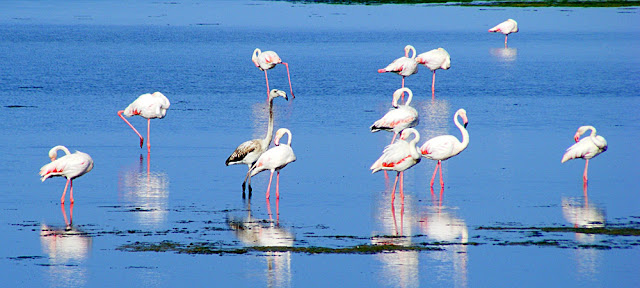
(267,233)
(504,54)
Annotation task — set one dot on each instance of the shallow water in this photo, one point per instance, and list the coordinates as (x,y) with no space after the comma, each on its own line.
(65,74)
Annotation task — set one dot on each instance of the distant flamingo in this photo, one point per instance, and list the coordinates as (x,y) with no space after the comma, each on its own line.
(148,106)
(267,60)
(444,147)
(249,151)
(398,157)
(403,66)
(434,60)
(506,28)
(70,166)
(398,118)
(586,148)
(274,159)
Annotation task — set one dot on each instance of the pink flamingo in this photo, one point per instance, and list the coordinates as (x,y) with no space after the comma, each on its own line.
(273,159)
(148,106)
(586,148)
(434,60)
(267,60)
(249,151)
(70,166)
(444,147)
(506,28)
(403,66)
(398,157)
(396,120)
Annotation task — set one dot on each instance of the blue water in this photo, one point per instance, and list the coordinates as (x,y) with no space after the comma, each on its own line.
(69,68)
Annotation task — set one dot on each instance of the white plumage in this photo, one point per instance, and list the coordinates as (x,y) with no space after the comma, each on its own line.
(274,159)
(398,118)
(69,166)
(506,28)
(434,60)
(148,106)
(403,66)
(586,148)
(267,60)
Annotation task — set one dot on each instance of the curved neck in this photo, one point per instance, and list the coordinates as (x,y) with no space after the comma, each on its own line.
(257,52)
(281,134)
(465,134)
(289,137)
(53,153)
(412,144)
(413,51)
(267,139)
(398,93)
(593,131)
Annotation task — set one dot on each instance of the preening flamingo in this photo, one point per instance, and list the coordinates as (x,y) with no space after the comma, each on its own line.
(444,147)
(249,151)
(398,157)
(403,66)
(434,60)
(274,159)
(399,117)
(148,106)
(267,60)
(586,148)
(70,166)
(506,28)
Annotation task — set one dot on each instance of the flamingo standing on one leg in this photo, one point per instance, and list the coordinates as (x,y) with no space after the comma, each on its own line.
(70,166)
(434,60)
(444,147)
(249,151)
(403,66)
(586,148)
(398,157)
(267,60)
(274,159)
(398,118)
(148,106)
(506,28)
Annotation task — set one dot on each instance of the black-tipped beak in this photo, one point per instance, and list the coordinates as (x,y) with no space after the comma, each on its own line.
(465,125)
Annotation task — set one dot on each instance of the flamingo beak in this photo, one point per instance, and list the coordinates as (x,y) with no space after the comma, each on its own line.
(53,158)
(465,124)
(577,138)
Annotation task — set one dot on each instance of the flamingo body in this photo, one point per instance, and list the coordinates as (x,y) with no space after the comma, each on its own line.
(403,66)
(506,28)
(267,60)
(398,118)
(586,148)
(148,106)
(274,159)
(435,59)
(70,166)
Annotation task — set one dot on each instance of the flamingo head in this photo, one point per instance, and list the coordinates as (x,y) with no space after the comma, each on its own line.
(406,132)
(463,115)
(53,154)
(398,93)
(254,57)
(279,135)
(580,132)
(409,48)
(277,93)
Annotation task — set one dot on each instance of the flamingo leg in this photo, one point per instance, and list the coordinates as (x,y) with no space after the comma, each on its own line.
(393,194)
(267,80)
(402,87)
(289,77)
(402,218)
(395,223)
(277,186)
(134,129)
(434,174)
(277,211)
(505,40)
(269,188)
(64,214)
(71,191)
(70,214)
(269,210)
(148,138)
(402,186)
(433,85)
(441,182)
(394,137)
(64,192)
(586,167)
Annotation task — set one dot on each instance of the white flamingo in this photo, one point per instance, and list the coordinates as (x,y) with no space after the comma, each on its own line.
(267,60)
(398,118)
(434,60)
(444,147)
(506,28)
(273,159)
(398,157)
(403,66)
(586,148)
(70,166)
(249,151)
(148,106)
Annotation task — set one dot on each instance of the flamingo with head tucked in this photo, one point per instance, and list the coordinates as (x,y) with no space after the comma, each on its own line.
(586,148)
(399,117)
(398,157)
(267,60)
(444,147)
(70,166)
(506,28)
(148,106)
(274,159)
(434,60)
(403,66)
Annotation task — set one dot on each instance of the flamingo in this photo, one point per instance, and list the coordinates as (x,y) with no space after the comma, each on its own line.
(398,157)
(586,148)
(444,147)
(70,166)
(506,28)
(403,66)
(434,60)
(249,151)
(148,106)
(274,159)
(267,60)
(396,120)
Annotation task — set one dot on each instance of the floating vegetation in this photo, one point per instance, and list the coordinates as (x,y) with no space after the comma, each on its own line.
(509,3)
(616,231)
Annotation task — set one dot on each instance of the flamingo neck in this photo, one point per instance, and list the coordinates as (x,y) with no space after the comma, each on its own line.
(465,133)
(413,52)
(398,93)
(53,153)
(281,134)
(267,139)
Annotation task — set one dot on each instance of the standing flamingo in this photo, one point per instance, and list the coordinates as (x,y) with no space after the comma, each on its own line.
(148,106)
(403,66)
(70,166)
(267,60)
(274,159)
(444,147)
(249,151)
(506,28)
(398,157)
(586,148)
(434,60)
(396,120)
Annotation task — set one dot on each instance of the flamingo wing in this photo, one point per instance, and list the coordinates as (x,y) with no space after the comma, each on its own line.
(404,66)
(392,156)
(275,158)
(397,119)
(246,153)
(69,166)
(585,149)
(440,147)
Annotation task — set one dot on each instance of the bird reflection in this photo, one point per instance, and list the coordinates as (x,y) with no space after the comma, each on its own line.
(436,118)
(267,233)
(146,190)
(504,54)
(400,268)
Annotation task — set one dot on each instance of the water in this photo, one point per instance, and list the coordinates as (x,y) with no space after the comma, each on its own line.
(65,74)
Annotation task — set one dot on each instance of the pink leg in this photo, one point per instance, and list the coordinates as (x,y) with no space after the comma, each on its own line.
(269,188)
(134,129)
(402,218)
(64,192)
(148,138)
(586,167)
(71,214)
(505,40)
(434,174)
(64,214)
(267,79)
(269,210)
(394,137)
(441,182)
(71,191)
(402,186)
(395,223)
(393,194)
(433,85)
(277,211)
(288,76)
(403,87)
(277,187)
